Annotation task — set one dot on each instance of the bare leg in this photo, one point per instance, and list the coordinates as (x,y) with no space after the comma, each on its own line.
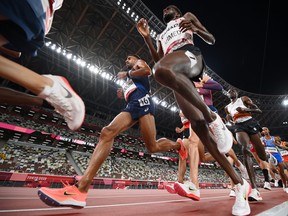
(17,73)
(231,161)
(244,139)
(172,67)
(148,131)
(260,150)
(232,154)
(194,158)
(121,122)
(182,164)
(263,165)
(10,96)
(200,127)
(282,174)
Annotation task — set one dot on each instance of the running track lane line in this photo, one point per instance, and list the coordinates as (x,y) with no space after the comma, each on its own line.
(108,206)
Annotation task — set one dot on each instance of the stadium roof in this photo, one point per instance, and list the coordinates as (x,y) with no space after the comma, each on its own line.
(88,44)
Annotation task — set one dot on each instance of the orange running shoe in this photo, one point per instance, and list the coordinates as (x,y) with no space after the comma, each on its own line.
(68,196)
(182,152)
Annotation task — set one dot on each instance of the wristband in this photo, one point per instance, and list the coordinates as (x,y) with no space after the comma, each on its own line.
(129,73)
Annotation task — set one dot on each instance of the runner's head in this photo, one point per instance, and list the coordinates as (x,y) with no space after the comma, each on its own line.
(131,60)
(171,12)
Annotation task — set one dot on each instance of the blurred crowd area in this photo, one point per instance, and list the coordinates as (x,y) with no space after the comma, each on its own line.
(129,158)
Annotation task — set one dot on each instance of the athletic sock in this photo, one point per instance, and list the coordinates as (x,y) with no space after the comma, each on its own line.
(266,175)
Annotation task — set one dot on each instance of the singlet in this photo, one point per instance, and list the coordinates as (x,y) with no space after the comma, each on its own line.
(172,38)
(185,122)
(269,145)
(134,83)
(49,7)
(283,152)
(238,117)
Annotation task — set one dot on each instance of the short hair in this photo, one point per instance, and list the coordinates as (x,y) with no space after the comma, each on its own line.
(135,55)
(175,8)
(265,128)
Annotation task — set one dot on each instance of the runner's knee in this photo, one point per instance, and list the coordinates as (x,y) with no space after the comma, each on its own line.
(160,71)
(107,132)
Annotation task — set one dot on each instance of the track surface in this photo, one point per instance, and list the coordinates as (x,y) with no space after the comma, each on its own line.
(25,202)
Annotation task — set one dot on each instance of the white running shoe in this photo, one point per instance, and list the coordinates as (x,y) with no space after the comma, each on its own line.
(223,136)
(241,205)
(276,183)
(65,101)
(267,186)
(254,195)
(232,193)
(188,189)
(243,171)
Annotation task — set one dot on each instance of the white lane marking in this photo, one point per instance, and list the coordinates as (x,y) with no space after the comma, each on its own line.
(108,206)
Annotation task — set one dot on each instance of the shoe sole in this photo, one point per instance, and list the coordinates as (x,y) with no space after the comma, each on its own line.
(52,202)
(170,190)
(179,190)
(267,188)
(252,199)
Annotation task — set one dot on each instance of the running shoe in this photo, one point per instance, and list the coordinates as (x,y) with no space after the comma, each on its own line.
(255,195)
(267,186)
(223,136)
(232,193)
(188,189)
(65,101)
(241,205)
(276,183)
(170,188)
(183,153)
(68,196)
(243,171)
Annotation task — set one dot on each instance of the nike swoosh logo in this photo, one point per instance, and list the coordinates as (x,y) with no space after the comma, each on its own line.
(68,194)
(69,95)
(192,189)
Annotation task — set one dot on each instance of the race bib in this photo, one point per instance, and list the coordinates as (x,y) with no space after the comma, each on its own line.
(272,149)
(128,88)
(284,153)
(144,101)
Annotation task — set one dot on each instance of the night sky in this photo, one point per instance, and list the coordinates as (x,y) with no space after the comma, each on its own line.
(251,49)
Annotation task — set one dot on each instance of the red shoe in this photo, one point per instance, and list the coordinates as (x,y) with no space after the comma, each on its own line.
(170,188)
(68,196)
(182,152)
(188,189)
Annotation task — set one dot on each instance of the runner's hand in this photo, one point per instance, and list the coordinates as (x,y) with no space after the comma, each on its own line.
(143,28)
(120,93)
(186,25)
(122,75)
